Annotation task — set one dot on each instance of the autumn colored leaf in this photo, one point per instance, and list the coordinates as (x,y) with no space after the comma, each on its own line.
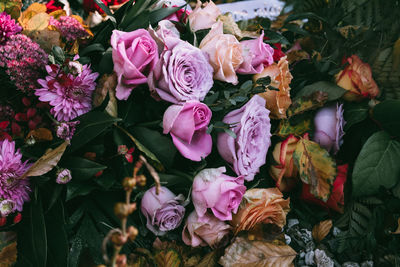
(244,253)
(168,258)
(209,260)
(30,12)
(321,230)
(316,168)
(11,7)
(397,232)
(46,162)
(285,128)
(8,255)
(40,134)
(306,103)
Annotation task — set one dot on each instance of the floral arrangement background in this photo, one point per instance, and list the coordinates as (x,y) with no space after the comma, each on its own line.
(151,135)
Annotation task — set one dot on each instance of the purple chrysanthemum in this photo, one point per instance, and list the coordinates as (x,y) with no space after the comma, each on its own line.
(24,61)
(70,94)
(13,190)
(69,27)
(8,27)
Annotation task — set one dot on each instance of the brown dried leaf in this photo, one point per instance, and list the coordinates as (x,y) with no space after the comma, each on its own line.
(40,134)
(209,260)
(38,22)
(168,258)
(245,253)
(321,230)
(32,10)
(8,255)
(107,83)
(397,232)
(46,38)
(46,162)
(396,55)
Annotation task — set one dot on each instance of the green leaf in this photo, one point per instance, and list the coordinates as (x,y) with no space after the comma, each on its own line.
(354,113)
(334,92)
(296,29)
(57,236)
(387,114)
(377,165)
(159,14)
(96,47)
(106,180)
(104,7)
(106,64)
(38,230)
(306,15)
(81,168)
(75,189)
(91,125)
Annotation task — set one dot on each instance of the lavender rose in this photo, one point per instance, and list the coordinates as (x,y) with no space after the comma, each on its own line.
(252,127)
(217,191)
(256,55)
(164,212)
(134,55)
(329,124)
(182,73)
(187,125)
(208,231)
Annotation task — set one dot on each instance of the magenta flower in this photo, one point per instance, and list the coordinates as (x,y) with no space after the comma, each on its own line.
(164,212)
(66,130)
(69,28)
(187,125)
(8,27)
(247,152)
(70,94)
(13,191)
(329,124)
(63,176)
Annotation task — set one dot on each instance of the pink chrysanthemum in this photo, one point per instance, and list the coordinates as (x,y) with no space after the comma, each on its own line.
(69,27)
(13,190)
(70,94)
(8,27)
(24,61)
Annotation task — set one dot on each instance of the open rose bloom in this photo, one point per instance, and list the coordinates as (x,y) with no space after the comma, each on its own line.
(204,16)
(261,205)
(357,79)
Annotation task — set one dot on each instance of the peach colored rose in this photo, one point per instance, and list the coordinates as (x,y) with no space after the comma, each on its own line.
(203,16)
(225,53)
(285,173)
(357,79)
(277,101)
(261,205)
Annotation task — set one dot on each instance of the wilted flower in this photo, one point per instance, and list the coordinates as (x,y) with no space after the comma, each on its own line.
(164,212)
(217,191)
(66,130)
(204,16)
(7,207)
(11,168)
(8,27)
(69,94)
(286,172)
(336,199)
(277,101)
(187,125)
(182,73)
(247,152)
(329,124)
(261,205)
(225,53)
(207,231)
(357,79)
(63,176)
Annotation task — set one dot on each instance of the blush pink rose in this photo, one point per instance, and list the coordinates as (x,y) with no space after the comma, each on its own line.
(208,231)
(187,125)
(219,192)
(256,56)
(134,55)
(203,16)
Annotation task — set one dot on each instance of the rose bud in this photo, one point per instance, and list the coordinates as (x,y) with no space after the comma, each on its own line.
(207,231)
(256,55)
(247,152)
(357,79)
(260,205)
(225,53)
(164,212)
(277,101)
(182,73)
(204,16)
(134,55)
(285,173)
(217,191)
(336,199)
(187,125)
(329,124)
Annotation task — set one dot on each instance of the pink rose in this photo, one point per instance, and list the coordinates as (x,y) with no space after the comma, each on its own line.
(187,125)
(203,16)
(256,55)
(217,191)
(225,53)
(164,212)
(208,231)
(135,55)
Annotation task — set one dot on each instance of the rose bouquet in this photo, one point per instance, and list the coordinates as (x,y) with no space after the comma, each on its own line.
(164,137)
